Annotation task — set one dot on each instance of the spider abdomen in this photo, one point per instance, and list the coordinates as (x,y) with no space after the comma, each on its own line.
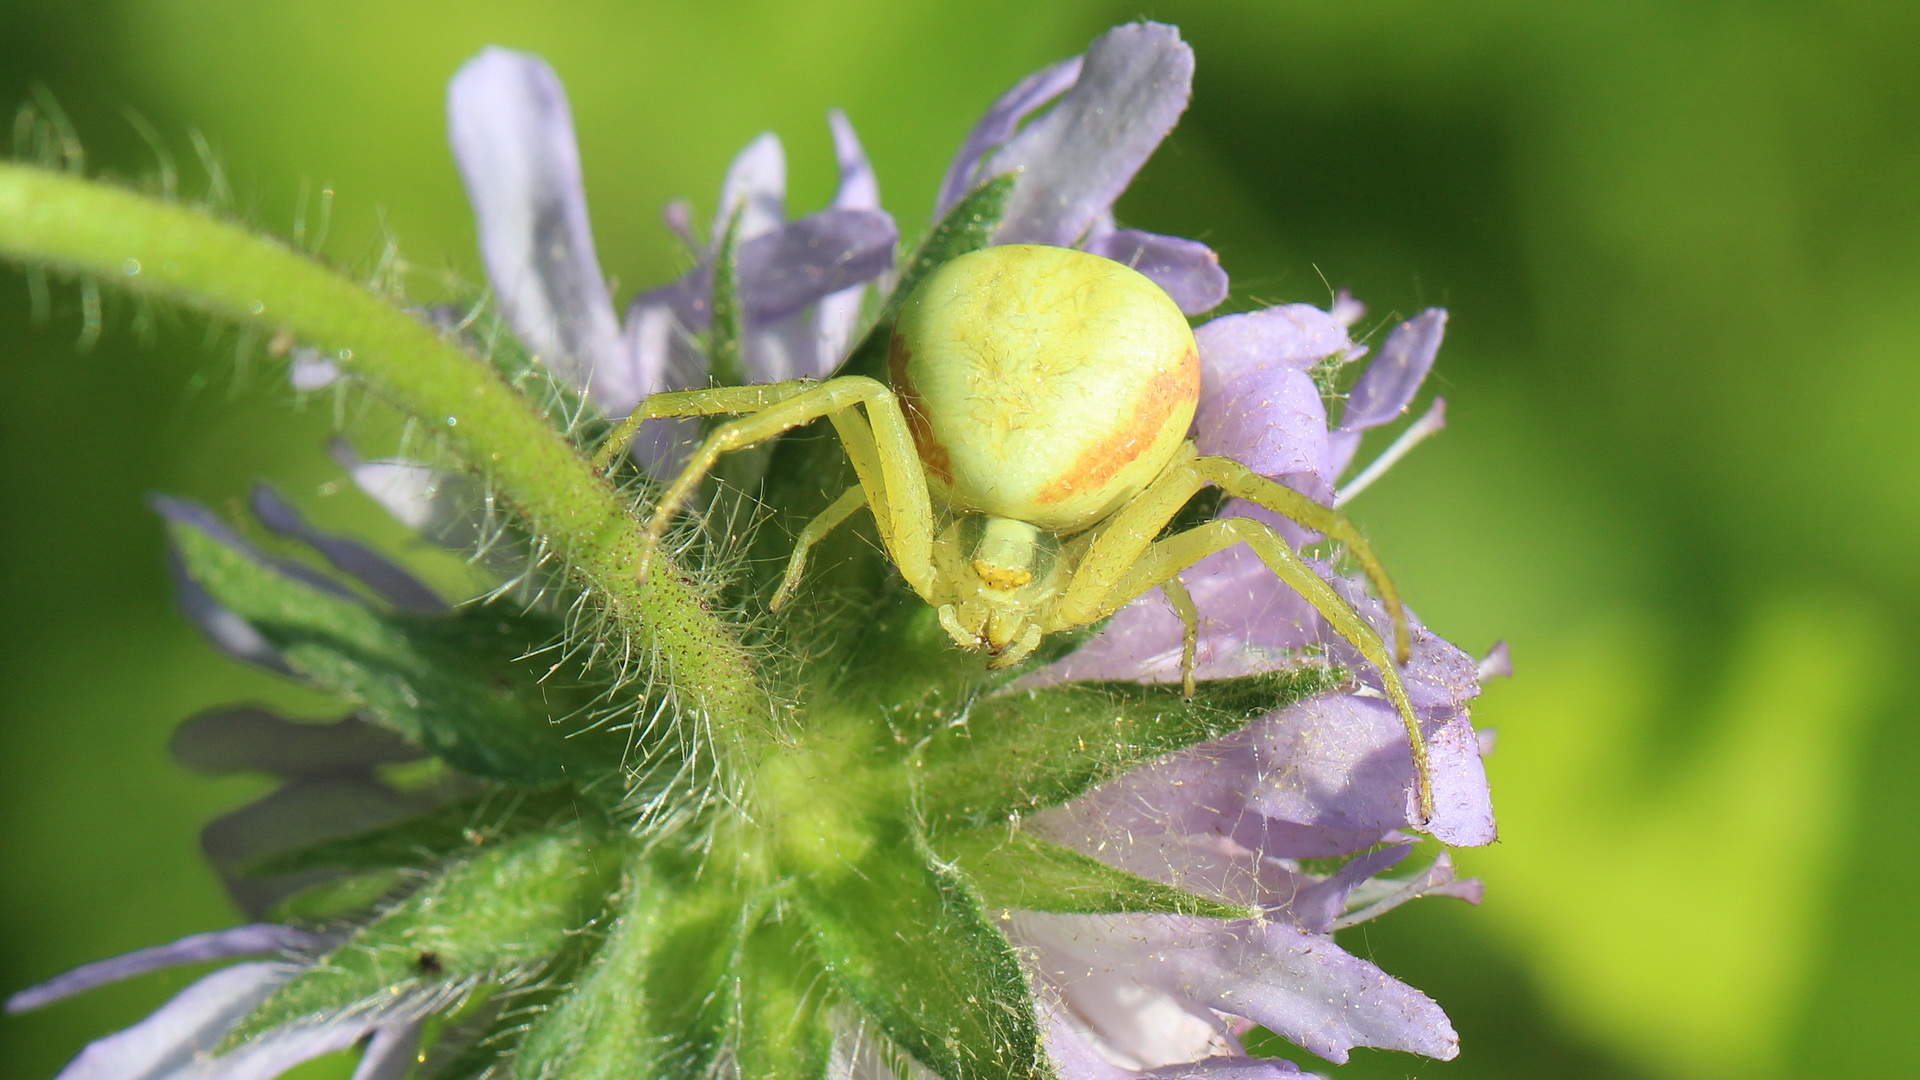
(1043,384)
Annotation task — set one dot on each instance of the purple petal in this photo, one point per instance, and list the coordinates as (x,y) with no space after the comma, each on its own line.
(1390,382)
(1272,421)
(267,1056)
(194,1021)
(254,939)
(1318,905)
(1346,309)
(445,508)
(308,370)
(179,512)
(1227,1068)
(1436,880)
(374,570)
(839,314)
(226,631)
(1291,336)
(1300,985)
(1113,1014)
(795,266)
(512,134)
(299,813)
(997,126)
(1187,269)
(1497,664)
(756,189)
(1077,159)
(1341,761)
(859,187)
(248,739)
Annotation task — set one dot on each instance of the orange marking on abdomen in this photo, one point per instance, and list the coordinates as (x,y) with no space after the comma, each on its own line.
(1165,392)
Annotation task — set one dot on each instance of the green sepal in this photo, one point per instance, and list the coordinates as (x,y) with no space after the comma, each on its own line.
(908,938)
(599,1028)
(446,831)
(778,1020)
(340,897)
(468,686)
(1016,869)
(1020,751)
(726,362)
(498,918)
(969,226)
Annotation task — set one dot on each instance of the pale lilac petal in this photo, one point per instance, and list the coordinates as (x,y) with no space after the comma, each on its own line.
(756,189)
(1346,309)
(1390,382)
(678,217)
(795,266)
(445,508)
(194,1021)
(859,187)
(1300,985)
(1070,1048)
(377,572)
(1227,1068)
(663,346)
(1317,906)
(307,370)
(1342,761)
(268,1056)
(1077,159)
(223,629)
(1290,336)
(998,125)
(839,314)
(253,939)
(299,813)
(1187,269)
(393,1052)
(512,134)
(181,512)
(1497,664)
(250,739)
(1273,422)
(1437,879)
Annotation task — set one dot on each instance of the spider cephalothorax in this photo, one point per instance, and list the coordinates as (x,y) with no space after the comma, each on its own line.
(1028,456)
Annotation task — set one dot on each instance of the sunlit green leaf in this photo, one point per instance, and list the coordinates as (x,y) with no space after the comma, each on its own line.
(910,941)
(499,917)
(1015,869)
(1019,751)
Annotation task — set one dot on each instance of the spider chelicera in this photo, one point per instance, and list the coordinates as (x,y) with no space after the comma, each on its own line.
(1028,456)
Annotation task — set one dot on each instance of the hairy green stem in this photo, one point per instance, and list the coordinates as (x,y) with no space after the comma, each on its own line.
(182,254)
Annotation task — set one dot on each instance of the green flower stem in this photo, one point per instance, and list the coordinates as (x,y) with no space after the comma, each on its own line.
(181,254)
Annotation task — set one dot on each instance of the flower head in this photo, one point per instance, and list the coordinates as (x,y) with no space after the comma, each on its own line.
(932,868)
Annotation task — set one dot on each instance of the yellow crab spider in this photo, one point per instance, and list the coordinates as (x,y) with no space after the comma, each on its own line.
(1026,459)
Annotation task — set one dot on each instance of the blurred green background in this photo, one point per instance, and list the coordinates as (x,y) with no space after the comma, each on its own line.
(1681,247)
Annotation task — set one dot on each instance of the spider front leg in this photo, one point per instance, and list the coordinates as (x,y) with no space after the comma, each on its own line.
(880,446)
(1124,560)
